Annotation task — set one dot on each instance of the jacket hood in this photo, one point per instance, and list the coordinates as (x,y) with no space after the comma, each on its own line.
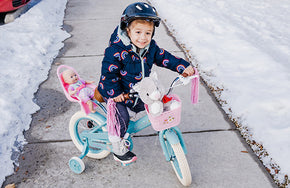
(124,37)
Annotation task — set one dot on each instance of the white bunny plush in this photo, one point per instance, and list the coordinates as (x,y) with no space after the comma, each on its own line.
(151,93)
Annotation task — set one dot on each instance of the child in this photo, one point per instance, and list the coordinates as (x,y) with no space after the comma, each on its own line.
(129,58)
(77,87)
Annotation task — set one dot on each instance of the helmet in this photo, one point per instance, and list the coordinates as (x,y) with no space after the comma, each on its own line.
(139,10)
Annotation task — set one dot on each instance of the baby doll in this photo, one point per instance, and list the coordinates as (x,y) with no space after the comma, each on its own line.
(78,88)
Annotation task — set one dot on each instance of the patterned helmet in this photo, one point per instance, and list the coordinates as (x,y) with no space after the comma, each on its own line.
(139,10)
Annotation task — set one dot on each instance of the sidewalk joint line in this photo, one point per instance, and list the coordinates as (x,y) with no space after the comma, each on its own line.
(206,131)
(147,135)
(189,132)
(48,141)
(72,56)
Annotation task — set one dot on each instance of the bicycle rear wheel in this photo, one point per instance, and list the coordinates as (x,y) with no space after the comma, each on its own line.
(179,163)
(81,122)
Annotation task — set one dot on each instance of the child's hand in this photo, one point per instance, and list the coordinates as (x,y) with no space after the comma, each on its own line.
(119,98)
(189,71)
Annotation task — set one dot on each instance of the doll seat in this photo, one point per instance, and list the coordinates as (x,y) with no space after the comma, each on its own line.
(84,106)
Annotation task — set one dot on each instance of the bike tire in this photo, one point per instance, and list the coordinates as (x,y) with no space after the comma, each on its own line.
(79,123)
(76,165)
(180,164)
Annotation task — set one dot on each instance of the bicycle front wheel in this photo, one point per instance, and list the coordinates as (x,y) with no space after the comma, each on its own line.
(81,122)
(180,164)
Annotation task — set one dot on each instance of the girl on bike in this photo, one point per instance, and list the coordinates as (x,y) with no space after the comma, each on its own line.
(129,58)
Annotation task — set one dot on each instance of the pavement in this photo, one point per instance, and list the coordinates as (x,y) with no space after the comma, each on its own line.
(217,155)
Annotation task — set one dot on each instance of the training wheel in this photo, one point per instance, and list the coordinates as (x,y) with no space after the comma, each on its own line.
(76,165)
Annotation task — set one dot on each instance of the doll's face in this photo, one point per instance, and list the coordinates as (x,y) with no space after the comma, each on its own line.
(70,76)
(140,32)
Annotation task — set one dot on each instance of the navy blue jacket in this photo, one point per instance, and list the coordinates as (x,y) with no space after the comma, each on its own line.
(122,68)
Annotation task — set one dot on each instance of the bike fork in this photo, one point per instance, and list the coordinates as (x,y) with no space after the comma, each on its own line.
(172,136)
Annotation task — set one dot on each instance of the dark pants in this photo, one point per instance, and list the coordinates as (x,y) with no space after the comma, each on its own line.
(123,115)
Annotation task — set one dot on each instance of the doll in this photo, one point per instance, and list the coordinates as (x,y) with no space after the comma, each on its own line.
(77,88)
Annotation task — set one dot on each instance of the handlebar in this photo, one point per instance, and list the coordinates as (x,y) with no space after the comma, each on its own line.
(183,78)
(130,95)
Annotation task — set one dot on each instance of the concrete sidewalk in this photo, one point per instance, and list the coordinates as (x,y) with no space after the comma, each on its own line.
(217,155)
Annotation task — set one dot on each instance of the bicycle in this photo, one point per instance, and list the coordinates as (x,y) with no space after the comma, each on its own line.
(89,134)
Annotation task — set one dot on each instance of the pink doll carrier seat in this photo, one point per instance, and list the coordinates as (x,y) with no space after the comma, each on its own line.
(84,106)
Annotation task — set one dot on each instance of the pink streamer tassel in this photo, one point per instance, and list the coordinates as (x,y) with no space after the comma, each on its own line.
(113,125)
(195,88)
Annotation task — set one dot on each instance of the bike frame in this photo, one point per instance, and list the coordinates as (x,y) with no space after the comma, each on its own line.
(93,140)
(100,139)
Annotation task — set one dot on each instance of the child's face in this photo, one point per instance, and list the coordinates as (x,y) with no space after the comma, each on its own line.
(70,77)
(140,33)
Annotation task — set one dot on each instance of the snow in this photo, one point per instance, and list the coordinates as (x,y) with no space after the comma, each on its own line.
(28,46)
(242,49)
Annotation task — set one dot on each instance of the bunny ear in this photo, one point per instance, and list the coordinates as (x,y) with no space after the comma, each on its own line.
(154,75)
(137,87)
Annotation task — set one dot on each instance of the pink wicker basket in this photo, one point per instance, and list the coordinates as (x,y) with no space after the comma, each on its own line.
(167,119)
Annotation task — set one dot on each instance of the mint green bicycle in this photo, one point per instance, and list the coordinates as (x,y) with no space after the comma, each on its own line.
(89,134)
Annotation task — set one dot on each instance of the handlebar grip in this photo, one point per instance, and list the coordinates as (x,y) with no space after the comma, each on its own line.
(130,95)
